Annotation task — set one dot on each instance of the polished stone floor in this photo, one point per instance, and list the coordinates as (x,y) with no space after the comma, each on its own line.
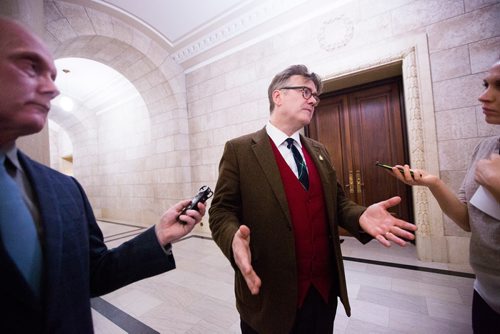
(389,289)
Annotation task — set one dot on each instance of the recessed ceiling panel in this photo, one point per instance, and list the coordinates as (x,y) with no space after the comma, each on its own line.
(175,19)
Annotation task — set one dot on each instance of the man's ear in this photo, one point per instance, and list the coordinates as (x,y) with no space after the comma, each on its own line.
(277,97)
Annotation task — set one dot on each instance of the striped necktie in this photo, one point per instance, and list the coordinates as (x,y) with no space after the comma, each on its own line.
(17,230)
(299,161)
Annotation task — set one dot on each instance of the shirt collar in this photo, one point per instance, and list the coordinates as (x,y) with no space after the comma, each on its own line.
(11,153)
(279,137)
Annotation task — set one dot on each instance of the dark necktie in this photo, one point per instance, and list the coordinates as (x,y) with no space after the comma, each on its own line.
(301,165)
(17,230)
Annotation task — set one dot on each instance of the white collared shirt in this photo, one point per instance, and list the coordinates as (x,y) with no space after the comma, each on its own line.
(279,139)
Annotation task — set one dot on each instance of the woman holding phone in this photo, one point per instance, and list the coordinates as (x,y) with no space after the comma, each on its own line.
(483,171)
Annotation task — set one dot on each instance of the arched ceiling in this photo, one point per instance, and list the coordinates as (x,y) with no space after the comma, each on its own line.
(196,32)
(189,33)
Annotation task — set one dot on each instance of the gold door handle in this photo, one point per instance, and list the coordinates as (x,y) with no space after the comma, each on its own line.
(351,183)
(358,182)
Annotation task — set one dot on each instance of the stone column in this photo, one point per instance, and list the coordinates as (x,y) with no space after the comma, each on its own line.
(31,13)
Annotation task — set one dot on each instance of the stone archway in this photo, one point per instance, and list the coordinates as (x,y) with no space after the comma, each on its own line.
(157,175)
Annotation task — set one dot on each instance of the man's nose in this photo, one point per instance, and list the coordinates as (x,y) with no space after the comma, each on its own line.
(48,86)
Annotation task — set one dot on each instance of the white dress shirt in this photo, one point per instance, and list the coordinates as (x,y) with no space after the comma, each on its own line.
(279,139)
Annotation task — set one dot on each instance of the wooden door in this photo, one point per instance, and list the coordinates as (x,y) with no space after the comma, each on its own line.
(360,126)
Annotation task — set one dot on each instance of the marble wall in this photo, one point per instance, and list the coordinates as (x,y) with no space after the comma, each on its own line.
(442,47)
(452,44)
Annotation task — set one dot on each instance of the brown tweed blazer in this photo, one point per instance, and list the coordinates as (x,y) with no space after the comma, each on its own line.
(250,192)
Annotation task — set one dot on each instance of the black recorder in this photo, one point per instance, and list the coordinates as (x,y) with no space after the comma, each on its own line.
(201,197)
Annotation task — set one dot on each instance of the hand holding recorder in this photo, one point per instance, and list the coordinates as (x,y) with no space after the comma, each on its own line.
(201,197)
(181,218)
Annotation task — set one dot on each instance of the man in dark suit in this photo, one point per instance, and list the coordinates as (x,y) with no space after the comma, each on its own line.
(275,215)
(48,290)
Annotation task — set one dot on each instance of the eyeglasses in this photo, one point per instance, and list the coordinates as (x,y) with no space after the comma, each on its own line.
(306,92)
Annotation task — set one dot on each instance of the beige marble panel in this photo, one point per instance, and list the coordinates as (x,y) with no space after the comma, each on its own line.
(455,312)
(484,53)
(140,41)
(50,10)
(471,5)
(403,301)
(418,14)
(154,77)
(230,98)
(370,312)
(164,145)
(481,24)
(369,8)
(256,90)
(401,321)
(372,30)
(368,279)
(223,66)
(456,124)
(451,63)
(77,18)
(200,107)
(102,22)
(458,249)
(122,31)
(138,68)
(240,77)
(170,69)
(458,92)
(61,30)
(199,76)
(449,160)
(177,86)
(155,93)
(443,293)
(208,88)
(157,54)
(201,140)
(161,108)
(202,174)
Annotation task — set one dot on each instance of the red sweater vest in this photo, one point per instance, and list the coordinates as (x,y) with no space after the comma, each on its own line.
(307,210)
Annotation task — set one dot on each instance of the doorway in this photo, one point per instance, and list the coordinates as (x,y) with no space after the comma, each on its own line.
(362,125)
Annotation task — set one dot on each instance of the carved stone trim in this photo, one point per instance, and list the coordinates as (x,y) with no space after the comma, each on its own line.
(416,139)
(250,19)
(335,33)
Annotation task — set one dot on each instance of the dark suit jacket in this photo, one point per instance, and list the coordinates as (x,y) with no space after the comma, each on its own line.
(249,191)
(77,263)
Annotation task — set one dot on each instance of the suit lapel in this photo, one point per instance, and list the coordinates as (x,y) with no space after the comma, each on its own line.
(50,218)
(265,157)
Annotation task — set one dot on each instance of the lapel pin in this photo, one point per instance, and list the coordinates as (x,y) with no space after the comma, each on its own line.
(320,157)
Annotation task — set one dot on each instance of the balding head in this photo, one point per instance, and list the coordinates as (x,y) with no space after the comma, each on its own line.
(27,74)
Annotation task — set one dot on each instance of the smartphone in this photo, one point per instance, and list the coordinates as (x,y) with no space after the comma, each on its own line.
(386,166)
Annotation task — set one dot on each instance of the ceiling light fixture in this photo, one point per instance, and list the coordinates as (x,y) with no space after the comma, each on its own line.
(66,103)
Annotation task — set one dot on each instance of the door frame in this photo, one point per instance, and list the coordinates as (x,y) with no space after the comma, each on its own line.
(347,127)
(410,57)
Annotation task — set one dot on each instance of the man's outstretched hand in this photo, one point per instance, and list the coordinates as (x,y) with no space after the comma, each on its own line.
(383,226)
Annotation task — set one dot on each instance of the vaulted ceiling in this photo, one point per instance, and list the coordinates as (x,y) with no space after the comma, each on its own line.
(192,32)
(196,31)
